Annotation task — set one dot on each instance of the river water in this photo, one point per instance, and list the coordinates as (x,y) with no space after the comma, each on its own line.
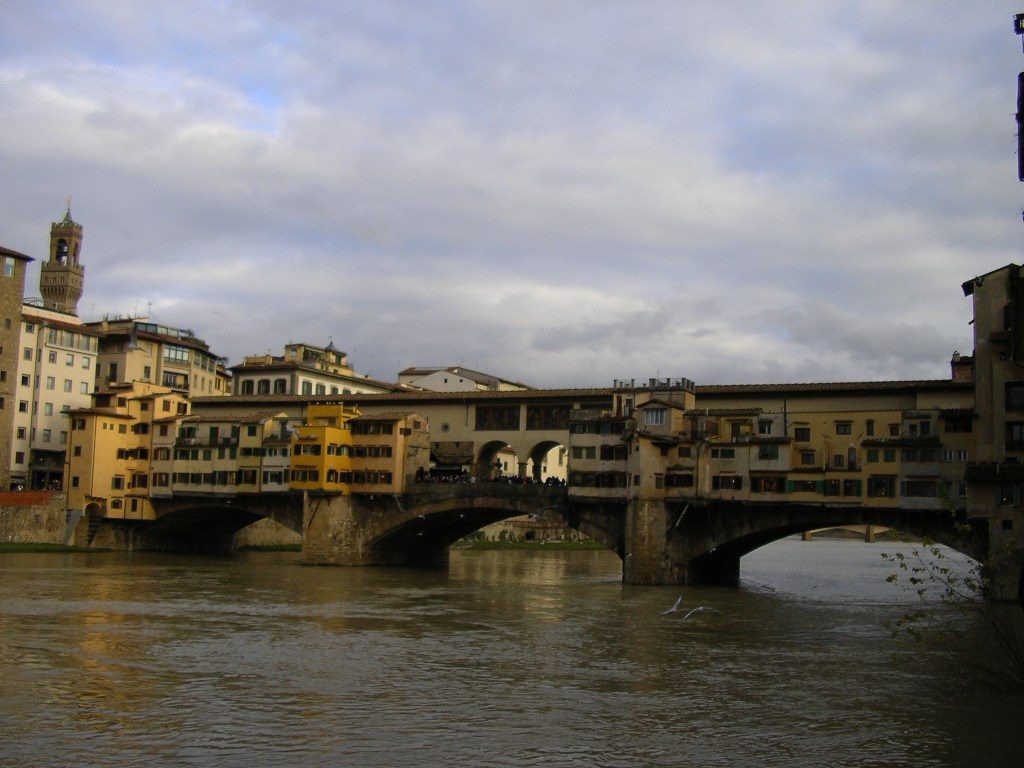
(507,659)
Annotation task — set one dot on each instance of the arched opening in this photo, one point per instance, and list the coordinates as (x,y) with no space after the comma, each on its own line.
(423,536)
(497,461)
(547,463)
(62,252)
(721,562)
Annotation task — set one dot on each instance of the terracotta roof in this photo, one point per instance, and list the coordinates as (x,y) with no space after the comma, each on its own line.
(14,254)
(724,411)
(27,314)
(249,418)
(834,387)
(417,396)
(386,416)
(109,412)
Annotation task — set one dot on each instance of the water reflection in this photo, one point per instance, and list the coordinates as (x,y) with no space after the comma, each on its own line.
(507,659)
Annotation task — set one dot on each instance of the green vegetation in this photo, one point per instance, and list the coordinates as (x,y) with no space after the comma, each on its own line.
(990,638)
(271,548)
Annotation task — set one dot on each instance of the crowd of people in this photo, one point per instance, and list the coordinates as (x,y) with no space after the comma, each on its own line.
(434,476)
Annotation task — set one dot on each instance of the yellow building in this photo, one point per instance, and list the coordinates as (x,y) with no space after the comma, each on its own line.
(110,449)
(322,450)
(338,450)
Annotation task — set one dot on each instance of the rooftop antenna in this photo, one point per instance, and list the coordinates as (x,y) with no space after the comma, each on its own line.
(1018,28)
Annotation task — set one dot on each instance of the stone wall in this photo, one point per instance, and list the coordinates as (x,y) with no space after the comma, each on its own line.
(267,533)
(35,517)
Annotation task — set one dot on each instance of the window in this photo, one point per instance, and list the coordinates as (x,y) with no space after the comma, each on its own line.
(21,433)
(723,453)
(307,388)
(23,406)
(69,360)
(495,417)
(74,481)
(919,489)
(83,388)
(889,454)
(894,430)
(26,380)
(764,427)
(48,409)
(870,428)
(51,382)
(768,452)
(766,485)
(872,455)
(654,417)
(117,482)
(844,428)
(881,486)
(280,386)
(68,384)
(727,483)
(85,363)
(807,458)
(802,434)
(263,387)
(19,458)
(8,266)
(52,357)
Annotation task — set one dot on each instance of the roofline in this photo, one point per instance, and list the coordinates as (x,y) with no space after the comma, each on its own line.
(594,393)
(14,254)
(969,285)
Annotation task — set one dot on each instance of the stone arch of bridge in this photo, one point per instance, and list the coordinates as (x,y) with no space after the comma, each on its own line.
(422,535)
(714,543)
(204,524)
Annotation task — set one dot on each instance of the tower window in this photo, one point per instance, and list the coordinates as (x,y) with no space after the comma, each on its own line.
(62,251)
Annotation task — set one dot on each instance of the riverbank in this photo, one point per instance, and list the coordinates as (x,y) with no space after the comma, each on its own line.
(26,546)
(586,544)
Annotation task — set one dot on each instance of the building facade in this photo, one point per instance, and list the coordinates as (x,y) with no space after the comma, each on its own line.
(303,369)
(136,349)
(456,379)
(12,296)
(55,374)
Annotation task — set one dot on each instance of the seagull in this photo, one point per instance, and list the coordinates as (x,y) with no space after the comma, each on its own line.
(674,607)
(698,609)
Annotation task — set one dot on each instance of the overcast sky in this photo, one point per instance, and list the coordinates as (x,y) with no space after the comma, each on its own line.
(558,193)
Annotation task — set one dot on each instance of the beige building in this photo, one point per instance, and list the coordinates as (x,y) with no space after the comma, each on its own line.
(869,443)
(456,379)
(135,349)
(303,369)
(55,375)
(995,475)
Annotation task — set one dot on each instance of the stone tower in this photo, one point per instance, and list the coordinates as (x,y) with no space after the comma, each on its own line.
(62,277)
